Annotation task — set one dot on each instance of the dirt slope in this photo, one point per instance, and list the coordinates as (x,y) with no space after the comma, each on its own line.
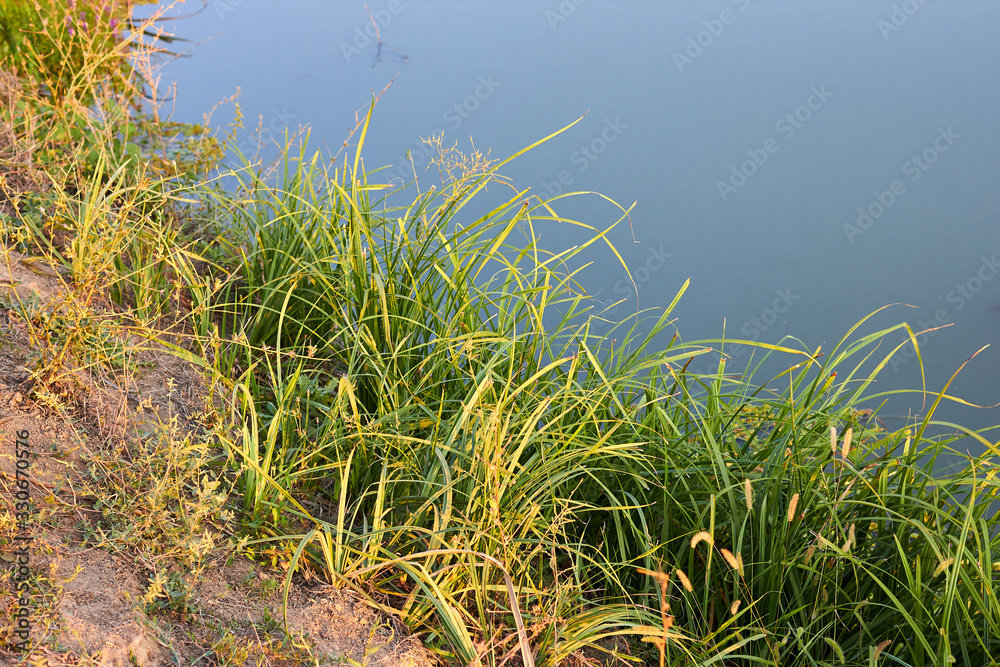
(103,590)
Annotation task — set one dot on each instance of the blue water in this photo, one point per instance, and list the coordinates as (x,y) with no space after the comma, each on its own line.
(748,133)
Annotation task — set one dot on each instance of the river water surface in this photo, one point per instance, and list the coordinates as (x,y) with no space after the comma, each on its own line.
(803,163)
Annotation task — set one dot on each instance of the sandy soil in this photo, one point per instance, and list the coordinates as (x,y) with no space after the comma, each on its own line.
(86,601)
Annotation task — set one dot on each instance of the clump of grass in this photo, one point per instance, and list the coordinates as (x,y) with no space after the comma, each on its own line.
(502,474)
(400,365)
(182,518)
(79,154)
(814,544)
(64,44)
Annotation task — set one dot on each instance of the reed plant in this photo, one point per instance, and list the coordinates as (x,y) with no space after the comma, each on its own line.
(404,370)
(421,384)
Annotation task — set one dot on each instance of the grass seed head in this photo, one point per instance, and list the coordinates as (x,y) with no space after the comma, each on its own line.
(942,567)
(685,582)
(836,649)
(735,562)
(702,536)
(792,505)
(850,539)
(881,647)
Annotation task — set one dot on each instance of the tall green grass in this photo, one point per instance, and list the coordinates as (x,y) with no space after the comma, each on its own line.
(420,382)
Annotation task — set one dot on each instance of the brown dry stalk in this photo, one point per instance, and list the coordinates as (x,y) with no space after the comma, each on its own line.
(378,36)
